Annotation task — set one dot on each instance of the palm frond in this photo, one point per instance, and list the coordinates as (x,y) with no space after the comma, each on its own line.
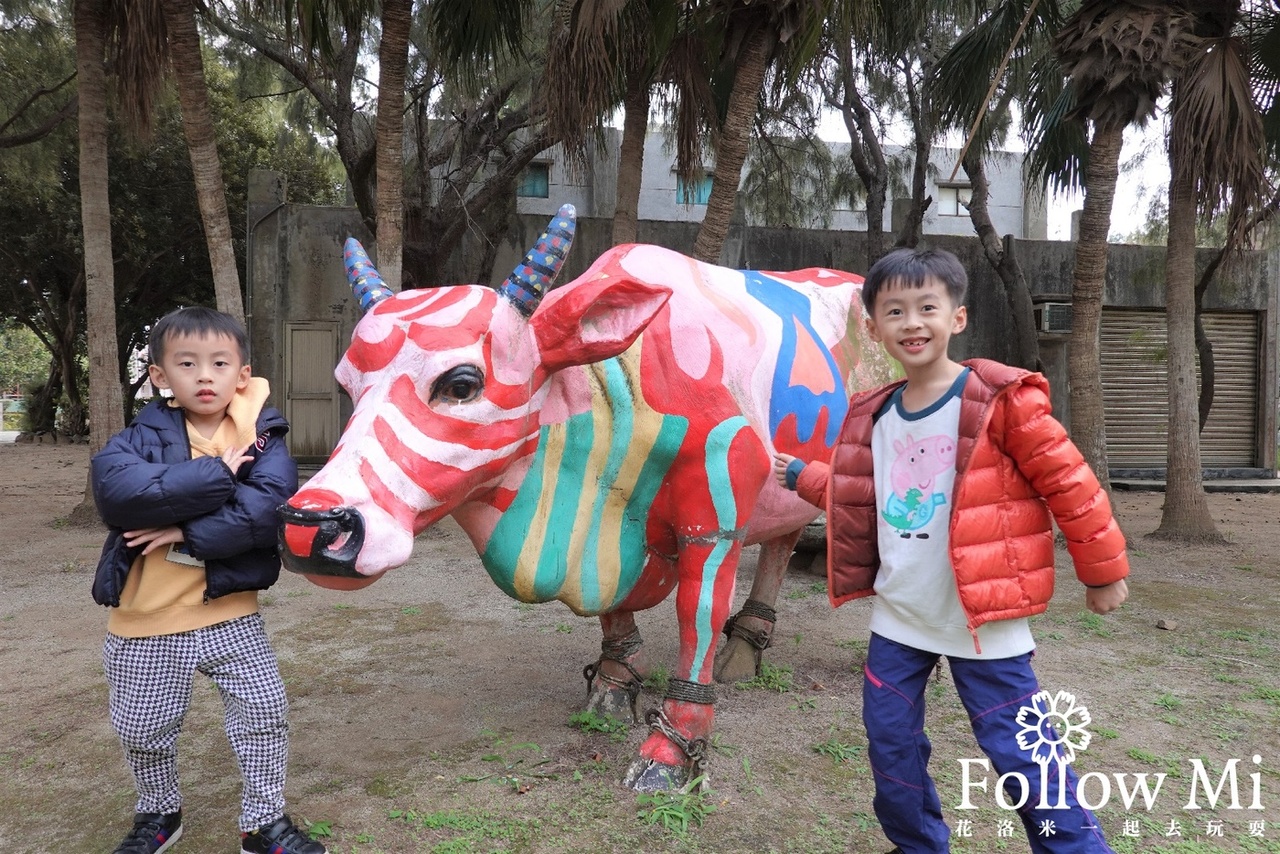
(1057,144)
(962,78)
(1263,35)
(1121,55)
(139,43)
(1219,132)
(478,30)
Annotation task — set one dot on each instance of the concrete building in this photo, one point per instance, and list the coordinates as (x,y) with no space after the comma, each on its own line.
(549,182)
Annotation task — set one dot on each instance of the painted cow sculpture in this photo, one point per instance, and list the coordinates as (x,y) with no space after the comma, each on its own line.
(604,444)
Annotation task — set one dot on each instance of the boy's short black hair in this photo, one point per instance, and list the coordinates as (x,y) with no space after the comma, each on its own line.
(200,322)
(909,268)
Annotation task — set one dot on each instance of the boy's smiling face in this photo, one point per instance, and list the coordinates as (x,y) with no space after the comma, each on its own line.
(204,372)
(915,324)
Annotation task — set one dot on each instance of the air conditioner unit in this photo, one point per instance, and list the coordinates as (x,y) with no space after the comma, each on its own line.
(1053,317)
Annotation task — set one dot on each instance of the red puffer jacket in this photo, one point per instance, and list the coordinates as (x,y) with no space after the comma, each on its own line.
(1014,466)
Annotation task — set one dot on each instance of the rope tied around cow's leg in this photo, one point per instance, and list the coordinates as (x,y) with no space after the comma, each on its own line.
(618,650)
(695,749)
(761,639)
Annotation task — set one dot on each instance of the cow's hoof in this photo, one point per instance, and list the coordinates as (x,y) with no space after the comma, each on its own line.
(650,775)
(739,661)
(613,701)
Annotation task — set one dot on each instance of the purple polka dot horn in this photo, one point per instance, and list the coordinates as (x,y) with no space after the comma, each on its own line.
(536,273)
(366,283)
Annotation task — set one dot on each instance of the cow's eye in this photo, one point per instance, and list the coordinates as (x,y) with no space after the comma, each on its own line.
(458,385)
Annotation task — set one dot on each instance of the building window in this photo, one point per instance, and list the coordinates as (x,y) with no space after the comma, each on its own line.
(954,200)
(535,181)
(696,193)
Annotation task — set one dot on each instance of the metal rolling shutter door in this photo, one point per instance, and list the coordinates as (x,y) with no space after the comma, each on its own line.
(1135,394)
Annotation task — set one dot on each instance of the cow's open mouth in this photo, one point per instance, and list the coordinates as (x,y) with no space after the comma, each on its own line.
(321,542)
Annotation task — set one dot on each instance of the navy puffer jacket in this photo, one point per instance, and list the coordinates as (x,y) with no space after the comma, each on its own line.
(145,478)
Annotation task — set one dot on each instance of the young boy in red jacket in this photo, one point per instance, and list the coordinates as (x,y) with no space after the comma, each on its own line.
(939,496)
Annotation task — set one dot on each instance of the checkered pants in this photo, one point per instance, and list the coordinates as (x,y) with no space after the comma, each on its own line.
(150,680)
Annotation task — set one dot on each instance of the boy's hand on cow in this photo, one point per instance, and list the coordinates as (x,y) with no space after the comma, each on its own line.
(780,463)
(235,457)
(153,538)
(1104,600)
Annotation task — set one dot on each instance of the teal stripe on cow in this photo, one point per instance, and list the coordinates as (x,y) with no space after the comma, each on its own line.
(623,407)
(726,507)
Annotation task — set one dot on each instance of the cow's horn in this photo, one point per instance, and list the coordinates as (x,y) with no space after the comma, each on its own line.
(366,284)
(536,274)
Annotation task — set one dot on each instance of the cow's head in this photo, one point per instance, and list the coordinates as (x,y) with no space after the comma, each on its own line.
(448,385)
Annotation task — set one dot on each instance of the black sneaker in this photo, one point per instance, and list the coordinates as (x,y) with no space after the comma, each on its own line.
(152,833)
(283,837)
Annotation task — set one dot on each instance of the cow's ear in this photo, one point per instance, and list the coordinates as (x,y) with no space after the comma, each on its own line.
(591,321)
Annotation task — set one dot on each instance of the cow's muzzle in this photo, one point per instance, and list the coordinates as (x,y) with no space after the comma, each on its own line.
(321,542)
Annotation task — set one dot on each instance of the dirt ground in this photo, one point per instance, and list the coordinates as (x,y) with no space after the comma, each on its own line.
(431,713)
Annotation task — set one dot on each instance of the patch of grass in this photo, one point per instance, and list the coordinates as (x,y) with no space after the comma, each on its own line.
(805,592)
(411,611)
(590,720)
(803,704)
(343,606)
(1167,701)
(474,826)
(381,787)
(1236,635)
(1142,755)
(837,750)
(856,644)
(318,829)
(676,812)
(564,628)
(717,744)
(658,679)
(1271,695)
(772,677)
(1105,732)
(1093,623)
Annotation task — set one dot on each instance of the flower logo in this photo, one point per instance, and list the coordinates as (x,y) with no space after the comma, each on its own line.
(1053,727)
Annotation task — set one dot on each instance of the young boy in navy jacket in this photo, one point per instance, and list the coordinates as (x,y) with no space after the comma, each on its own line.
(939,497)
(190,491)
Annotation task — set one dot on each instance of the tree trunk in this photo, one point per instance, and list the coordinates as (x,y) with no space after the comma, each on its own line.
(731,151)
(1084,365)
(206,168)
(913,228)
(1004,260)
(393,57)
(106,404)
(865,152)
(1186,515)
(635,126)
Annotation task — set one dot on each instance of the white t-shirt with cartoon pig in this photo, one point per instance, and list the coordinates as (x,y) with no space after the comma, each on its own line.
(916,602)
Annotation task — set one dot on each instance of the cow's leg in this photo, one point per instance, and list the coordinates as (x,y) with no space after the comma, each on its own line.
(614,681)
(750,630)
(674,755)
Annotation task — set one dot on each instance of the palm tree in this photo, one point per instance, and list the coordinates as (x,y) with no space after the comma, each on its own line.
(1217,160)
(1119,57)
(106,403)
(601,56)
(184,54)
(393,57)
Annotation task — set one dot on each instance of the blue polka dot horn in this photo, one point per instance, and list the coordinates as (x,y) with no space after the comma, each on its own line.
(366,283)
(536,273)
